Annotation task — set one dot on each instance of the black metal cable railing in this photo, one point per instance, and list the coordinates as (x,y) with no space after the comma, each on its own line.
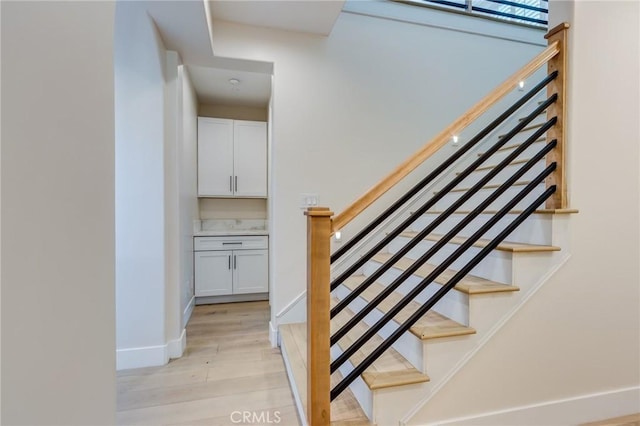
(439,244)
(389,289)
(436,222)
(441,168)
(375,354)
(423,209)
(423,259)
(424,182)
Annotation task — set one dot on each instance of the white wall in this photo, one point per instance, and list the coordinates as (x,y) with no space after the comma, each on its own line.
(188,198)
(172,229)
(351,106)
(572,353)
(140,233)
(156,202)
(58,350)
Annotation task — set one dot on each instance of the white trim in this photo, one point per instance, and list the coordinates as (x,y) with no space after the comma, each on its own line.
(574,410)
(291,304)
(175,348)
(485,338)
(274,336)
(446,20)
(148,356)
(151,356)
(186,314)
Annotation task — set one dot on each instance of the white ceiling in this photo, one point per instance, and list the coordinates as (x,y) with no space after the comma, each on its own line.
(184,26)
(308,16)
(213,87)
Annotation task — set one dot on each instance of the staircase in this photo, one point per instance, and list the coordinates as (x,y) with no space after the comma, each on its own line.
(415,294)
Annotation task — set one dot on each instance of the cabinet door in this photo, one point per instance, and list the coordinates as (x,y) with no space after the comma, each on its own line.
(215,157)
(250,271)
(250,158)
(213,273)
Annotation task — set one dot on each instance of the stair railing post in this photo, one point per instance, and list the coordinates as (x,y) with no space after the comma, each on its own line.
(558,109)
(318,320)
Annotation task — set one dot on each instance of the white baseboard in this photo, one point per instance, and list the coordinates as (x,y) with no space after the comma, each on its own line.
(148,356)
(151,356)
(575,410)
(273,335)
(175,348)
(186,315)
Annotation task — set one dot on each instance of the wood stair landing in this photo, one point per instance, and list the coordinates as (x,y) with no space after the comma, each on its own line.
(470,284)
(345,409)
(431,326)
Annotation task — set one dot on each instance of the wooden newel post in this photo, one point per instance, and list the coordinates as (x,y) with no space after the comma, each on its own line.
(318,294)
(558,109)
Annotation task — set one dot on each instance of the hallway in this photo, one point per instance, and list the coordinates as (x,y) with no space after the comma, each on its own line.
(228,374)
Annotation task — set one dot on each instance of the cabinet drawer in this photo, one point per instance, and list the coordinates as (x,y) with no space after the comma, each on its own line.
(230,243)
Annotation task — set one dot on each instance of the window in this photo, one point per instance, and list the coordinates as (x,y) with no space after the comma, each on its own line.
(529,12)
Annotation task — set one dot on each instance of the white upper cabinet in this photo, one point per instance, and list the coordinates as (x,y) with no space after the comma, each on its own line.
(250,158)
(215,157)
(232,158)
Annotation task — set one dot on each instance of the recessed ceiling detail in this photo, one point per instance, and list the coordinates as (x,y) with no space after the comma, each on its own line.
(307,16)
(215,86)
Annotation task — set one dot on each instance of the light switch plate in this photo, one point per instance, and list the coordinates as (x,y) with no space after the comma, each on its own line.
(308,200)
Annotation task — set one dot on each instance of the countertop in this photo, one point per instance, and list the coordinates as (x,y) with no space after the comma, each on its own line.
(229,227)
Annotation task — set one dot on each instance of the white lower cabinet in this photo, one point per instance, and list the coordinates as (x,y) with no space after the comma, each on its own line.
(220,271)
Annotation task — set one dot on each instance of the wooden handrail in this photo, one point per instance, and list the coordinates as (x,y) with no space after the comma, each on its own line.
(442,138)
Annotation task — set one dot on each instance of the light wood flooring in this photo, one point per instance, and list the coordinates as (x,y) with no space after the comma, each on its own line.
(228,367)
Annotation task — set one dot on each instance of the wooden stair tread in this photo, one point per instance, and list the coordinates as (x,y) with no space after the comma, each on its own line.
(492,186)
(390,369)
(530,127)
(493,166)
(345,409)
(470,284)
(524,118)
(514,145)
(503,246)
(431,326)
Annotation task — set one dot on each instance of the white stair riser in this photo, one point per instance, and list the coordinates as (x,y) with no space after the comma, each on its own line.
(360,390)
(483,194)
(381,406)
(454,305)
(533,149)
(524,134)
(409,346)
(504,174)
(536,229)
(496,266)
